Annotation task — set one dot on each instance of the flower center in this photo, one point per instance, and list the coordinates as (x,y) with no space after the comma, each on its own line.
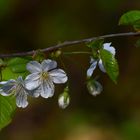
(44,75)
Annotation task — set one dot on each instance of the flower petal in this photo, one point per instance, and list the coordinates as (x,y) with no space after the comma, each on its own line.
(92,67)
(48,65)
(100,64)
(109,48)
(21,99)
(34,93)
(58,76)
(46,89)
(7,88)
(32,81)
(3,82)
(34,66)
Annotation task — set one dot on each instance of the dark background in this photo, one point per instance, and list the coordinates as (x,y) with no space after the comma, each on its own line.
(115,113)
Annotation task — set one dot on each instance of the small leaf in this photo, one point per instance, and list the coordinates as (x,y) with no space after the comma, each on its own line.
(7,108)
(110,64)
(18,65)
(130,18)
(97,44)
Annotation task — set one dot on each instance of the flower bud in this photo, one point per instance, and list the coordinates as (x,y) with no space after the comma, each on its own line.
(58,53)
(94,87)
(64,99)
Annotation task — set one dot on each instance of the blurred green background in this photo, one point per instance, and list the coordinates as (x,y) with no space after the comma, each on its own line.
(114,114)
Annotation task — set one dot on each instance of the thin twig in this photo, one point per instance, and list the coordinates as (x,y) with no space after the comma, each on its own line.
(69,43)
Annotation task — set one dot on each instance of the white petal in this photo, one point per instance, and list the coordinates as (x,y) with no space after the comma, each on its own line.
(34,66)
(48,65)
(47,89)
(101,66)
(109,48)
(21,99)
(3,82)
(4,94)
(58,76)
(7,88)
(34,93)
(32,81)
(91,68)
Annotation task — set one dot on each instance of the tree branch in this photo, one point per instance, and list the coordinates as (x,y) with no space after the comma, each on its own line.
(70,43)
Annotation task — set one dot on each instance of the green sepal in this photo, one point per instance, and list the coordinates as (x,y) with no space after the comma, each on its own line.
(95,46)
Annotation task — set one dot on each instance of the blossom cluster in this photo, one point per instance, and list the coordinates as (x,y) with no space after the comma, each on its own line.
(94,86)
(39,83)
(43,76)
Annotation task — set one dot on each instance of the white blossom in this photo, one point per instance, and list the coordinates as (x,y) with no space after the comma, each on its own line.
(43,76)
(16,88)
(93,62)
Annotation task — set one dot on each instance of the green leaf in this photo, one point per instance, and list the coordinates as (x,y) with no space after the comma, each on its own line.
(7,74)
(110,64)
(18,65)
(2,63)
(136,26)
(97,44)
(7,108)
(130,18)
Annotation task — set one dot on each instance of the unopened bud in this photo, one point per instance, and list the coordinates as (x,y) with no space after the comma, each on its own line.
(58,53)
(64,99)
(94,87)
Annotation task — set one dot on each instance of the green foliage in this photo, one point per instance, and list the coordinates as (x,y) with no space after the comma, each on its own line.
(1,63)
(136,26)
(17,64)
(15,67)
(110,64)
(7,108)
(131,18)
(95,46)
(7,74)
